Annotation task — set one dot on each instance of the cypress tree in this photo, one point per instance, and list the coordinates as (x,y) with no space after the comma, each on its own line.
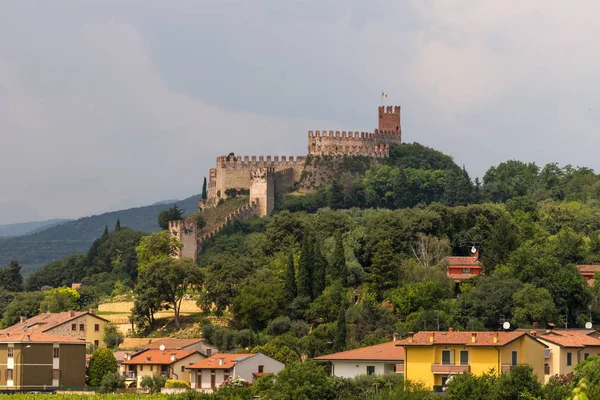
(204,190)
(339,260)
(319,269)
(339,341)
(118,225)
(383,273)
(105,234)
(290,279)
(305,267)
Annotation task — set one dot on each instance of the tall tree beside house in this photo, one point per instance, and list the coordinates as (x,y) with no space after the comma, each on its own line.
(339,341)
(305,265)
(204,190)
(102,362)
(338,267)
(291,291)
(383,273)
(319,271)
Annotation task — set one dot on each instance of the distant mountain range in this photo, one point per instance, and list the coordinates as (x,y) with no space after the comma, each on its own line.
(44,245)
(25,228)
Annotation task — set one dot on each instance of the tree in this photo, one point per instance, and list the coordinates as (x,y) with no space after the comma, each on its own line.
(153,382)
(339,270)
(112,336)
(111,382)
(509,179)
(305,380)
(118,225)
(319,271)
(204,190)
(502,241)
(290,279)
(24,304)
(339,342)
(471,387)
(102,362)
(174,213)
(261,299)
(430,251)
(155,247)
(588,371)
(533,305)
(10,278)
(519,383)
(305,265)
(60,299)
(383,273)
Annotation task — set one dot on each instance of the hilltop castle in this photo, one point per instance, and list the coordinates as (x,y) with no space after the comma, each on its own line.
(265,176)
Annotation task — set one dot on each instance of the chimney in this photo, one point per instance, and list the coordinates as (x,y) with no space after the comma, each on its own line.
(23,319)
(432,337)
(71,313)
(92,311)
(473,337)
(535,325)
(410,337)
(533,333)
(29,338)
(451,329)
(495,337)
(173,357)
(221,361)
(395,337)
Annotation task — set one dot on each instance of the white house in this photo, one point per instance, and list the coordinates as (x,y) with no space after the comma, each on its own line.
(214,371)
(378,359)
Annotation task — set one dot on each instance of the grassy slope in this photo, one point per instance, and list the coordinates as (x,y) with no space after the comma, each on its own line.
(216,215)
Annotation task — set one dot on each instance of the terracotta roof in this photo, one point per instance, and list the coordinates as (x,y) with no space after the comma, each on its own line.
(35,336)
(570,338)
(463,338)
(172,343)
(229,360)
(47,321)
(379,352)
(463,261)
(588,268)
(158,357)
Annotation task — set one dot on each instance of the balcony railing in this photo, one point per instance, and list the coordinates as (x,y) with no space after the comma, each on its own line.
(129,374)
(450,368)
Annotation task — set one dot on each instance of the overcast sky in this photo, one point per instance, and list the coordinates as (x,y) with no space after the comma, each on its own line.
(111,104)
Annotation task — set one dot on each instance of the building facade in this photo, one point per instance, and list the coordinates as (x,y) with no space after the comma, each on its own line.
(461,268)
(169,363)
(379,359)
(566,349)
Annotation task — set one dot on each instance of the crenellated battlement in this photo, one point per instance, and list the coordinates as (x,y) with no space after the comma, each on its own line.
(343,135)
(250,162)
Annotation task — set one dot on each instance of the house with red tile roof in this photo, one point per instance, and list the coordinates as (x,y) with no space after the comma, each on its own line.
(378,359)
(588,271)
(461,268)
(567,348)
(433,357)
(140,344)
(214,371)
(169,363)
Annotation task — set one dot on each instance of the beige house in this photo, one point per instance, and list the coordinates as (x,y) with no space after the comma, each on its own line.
(212,372)
(33,360)
(140,344)
(82,325)
(169,363)
(566,349)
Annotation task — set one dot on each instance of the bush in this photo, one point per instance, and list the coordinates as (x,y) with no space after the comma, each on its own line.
(299,328)
(111,382)
(102,362)
(154,383)
(279,326)
(112,336)
(172,384)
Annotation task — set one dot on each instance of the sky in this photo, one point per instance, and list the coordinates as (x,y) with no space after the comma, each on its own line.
(111,104)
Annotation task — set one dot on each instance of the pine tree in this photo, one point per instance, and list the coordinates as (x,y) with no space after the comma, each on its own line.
(319,270)
(383,273)
(339,260)
(105,234)
(290,279)
(204,190)
(339,341)
(305,267)
(118,225)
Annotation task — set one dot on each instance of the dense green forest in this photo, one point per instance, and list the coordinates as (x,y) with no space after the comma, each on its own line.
(73,237)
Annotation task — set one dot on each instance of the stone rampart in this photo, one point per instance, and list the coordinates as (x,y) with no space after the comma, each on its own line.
(186,232)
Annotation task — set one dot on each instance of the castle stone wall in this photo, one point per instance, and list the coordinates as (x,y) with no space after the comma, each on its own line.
(262,190)
(283,181)
(187,233)
(389,118)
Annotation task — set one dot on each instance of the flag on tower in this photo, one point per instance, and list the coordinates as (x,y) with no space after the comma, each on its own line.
(383,94)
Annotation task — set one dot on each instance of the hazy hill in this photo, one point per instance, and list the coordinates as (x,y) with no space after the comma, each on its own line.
(72,237)
(25,228)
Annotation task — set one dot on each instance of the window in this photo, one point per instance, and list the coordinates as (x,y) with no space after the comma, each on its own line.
(569,359)
(208,352)
(56,352)
(97,328)
(141,367)
(56,374)
(466,270)
(9,374)
(261,369)
(96,343)
(151,367)
(444,380)
(73,327)
(464,357)
(81,327)
(446,356)
(11,352)
(586,355)
(370,369)
(183,368)
(515,357)
(547,369)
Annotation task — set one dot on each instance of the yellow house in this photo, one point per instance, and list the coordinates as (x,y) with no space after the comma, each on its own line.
(432,357)
(171,364)
(82,325)
(566,349)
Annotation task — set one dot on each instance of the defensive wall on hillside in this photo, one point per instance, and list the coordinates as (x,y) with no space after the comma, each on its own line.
(266,176)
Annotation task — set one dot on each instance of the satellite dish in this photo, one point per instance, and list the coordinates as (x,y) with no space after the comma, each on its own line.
(588,325)
(161,347)
(506,325)
(473,250)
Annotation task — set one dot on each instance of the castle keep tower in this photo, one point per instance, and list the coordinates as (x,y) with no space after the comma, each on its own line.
(262,190)
(389,118)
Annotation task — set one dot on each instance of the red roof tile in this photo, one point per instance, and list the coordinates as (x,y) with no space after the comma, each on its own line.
(588,268)
(172,343)
(462,338)
(47,321)
(467,261)
(158,357)
(36,336)
(570,338)
(379,352)
(229,360)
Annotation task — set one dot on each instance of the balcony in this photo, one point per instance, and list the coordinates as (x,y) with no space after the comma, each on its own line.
(506,368)
(449,368)
(129,374)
